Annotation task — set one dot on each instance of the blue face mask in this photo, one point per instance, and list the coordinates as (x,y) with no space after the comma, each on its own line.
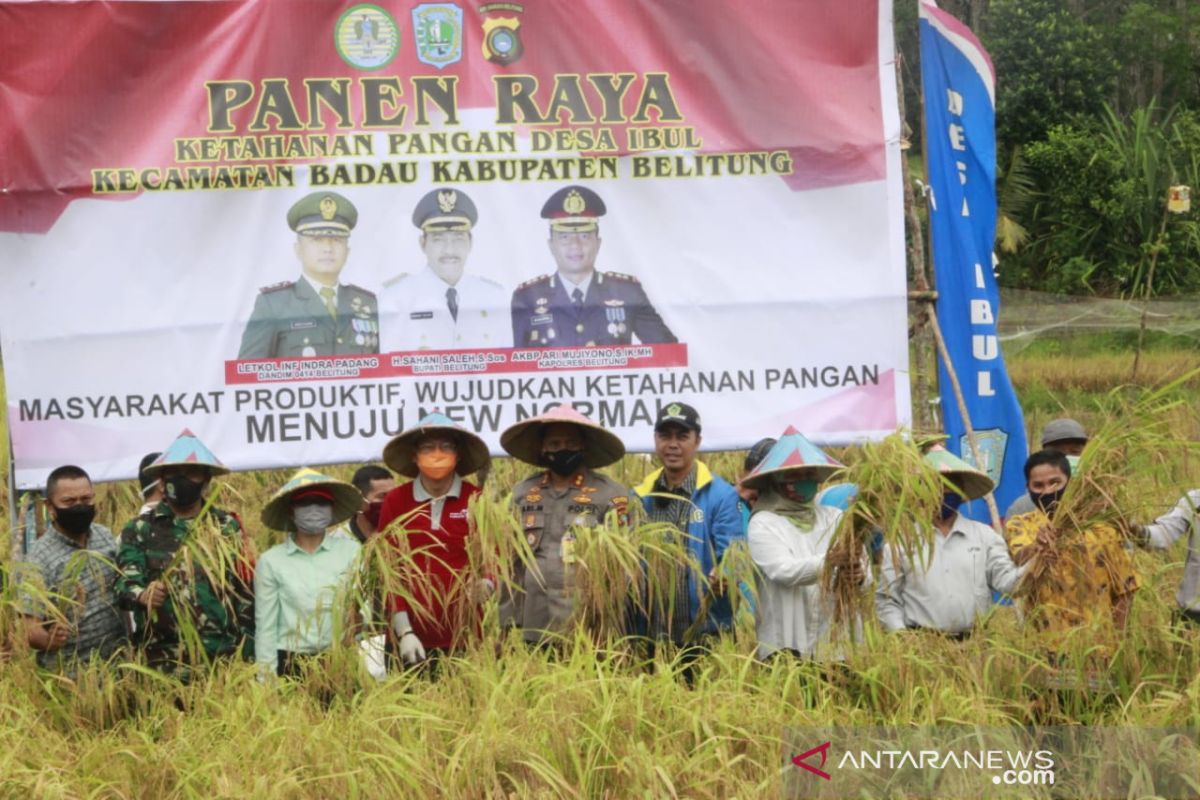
(950,504)
(805,489)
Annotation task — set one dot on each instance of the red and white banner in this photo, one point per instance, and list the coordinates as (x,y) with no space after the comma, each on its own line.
(165,165)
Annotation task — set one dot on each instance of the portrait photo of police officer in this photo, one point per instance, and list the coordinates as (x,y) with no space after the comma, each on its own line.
(316,314)
(444,307)
(577,305)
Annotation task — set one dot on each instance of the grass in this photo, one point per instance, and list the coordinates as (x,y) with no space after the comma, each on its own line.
(506,722)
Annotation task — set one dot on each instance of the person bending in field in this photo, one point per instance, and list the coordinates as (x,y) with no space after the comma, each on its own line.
(1088,574)
(438,604)
(946,588)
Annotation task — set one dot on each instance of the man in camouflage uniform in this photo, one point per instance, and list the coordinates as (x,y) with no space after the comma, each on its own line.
(315,315)
(182,567)
(567,494)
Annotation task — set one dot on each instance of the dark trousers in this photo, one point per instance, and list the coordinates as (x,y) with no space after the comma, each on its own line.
(960,636)
(292,665)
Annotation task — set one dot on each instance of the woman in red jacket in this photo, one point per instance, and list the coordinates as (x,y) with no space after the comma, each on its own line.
(437,606)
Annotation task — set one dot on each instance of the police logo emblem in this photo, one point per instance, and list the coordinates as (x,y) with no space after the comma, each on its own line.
(328,208)
(447,200)
(501,42)
(366,37)
(438,29)
(574,203)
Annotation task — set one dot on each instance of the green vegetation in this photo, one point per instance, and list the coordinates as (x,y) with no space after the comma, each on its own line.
(504,722)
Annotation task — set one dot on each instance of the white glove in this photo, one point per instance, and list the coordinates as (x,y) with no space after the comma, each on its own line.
(482,591)
(411,649)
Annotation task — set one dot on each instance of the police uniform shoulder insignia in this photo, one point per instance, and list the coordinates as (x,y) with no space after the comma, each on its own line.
(621,276)
(534,281)
(275,287)
(392,281)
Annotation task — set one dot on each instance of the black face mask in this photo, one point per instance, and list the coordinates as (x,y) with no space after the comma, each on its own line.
(183,492)
(1049,501)
(76,520)
(563,462)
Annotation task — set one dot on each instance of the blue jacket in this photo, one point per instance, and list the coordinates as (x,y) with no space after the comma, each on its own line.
(715,523)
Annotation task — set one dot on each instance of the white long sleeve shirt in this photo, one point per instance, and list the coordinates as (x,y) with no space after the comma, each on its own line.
(952,587)
(1184,518)
(792,613)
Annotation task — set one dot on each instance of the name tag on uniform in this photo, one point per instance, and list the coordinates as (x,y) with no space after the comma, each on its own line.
(542,319)
(302,324)
(421,315)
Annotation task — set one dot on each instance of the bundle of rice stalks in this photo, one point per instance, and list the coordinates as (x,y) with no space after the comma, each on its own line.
(898,497)
(210,573)
(621,574)
(1138,437)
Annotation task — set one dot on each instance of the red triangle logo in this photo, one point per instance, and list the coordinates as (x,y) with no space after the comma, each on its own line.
(802,760)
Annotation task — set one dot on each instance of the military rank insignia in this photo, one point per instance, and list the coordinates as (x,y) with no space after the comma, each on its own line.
(501,41)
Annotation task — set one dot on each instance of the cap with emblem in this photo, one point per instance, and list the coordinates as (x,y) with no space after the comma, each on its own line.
(445,210)
(680,414)
(574,208)
(323,214)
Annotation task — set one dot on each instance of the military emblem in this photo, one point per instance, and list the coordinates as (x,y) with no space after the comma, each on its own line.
(328,208)
(366,37)
(438,29)
(574,203)
(447,200)
(532,539)
(993,444)
(501,42)
(674,410)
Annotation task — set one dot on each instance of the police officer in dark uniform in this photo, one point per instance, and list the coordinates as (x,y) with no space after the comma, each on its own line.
(315,315)
(578,306)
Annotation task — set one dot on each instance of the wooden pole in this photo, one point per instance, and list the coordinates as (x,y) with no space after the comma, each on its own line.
(961,401)
(919,291)
(1162,231)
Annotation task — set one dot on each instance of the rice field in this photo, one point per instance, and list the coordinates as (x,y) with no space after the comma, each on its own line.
(596,720)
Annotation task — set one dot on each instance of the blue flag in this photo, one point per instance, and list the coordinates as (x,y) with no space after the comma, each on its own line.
(959,82)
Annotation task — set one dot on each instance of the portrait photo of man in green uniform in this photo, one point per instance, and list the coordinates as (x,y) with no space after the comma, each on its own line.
(315,315)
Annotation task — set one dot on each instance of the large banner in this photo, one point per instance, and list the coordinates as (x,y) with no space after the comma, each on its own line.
(960,125)
(295,227)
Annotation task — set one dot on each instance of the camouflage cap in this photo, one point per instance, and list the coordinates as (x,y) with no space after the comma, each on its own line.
(574,208)
(445,210)
(322,214)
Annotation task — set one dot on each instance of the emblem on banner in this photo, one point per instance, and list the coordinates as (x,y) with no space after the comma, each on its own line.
(501,42)
(366,36)
(993,444)
(438,30)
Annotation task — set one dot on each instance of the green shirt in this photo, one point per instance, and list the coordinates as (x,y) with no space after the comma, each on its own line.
(295,594)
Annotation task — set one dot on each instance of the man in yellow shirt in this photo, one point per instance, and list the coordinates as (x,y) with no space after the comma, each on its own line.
(1089,573)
